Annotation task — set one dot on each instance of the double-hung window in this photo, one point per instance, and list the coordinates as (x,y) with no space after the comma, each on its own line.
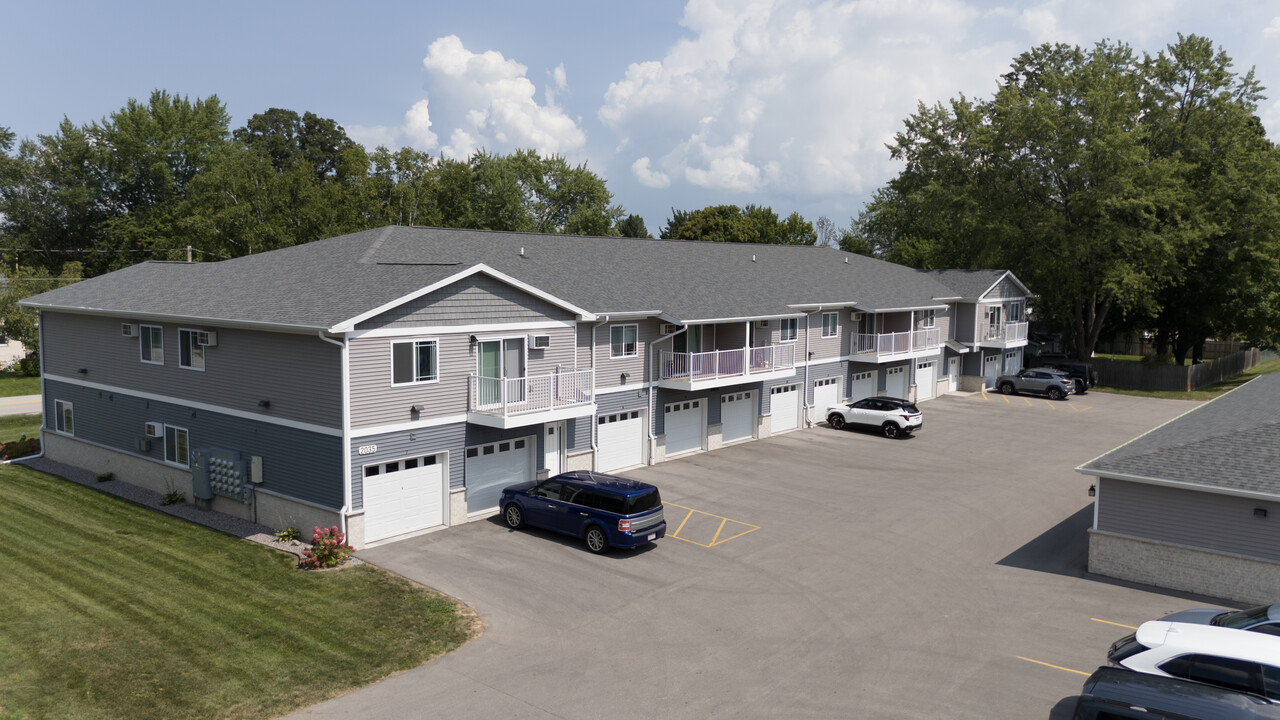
(928,318)
(622,341)
(175,446)
(790,329)
(190,351)
(152,341)
(65,420)
(414,361)
(830,324)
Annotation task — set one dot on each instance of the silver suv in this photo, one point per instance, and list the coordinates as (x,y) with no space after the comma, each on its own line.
(1054,384)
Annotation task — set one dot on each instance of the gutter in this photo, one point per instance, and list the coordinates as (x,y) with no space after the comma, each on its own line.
(346,432)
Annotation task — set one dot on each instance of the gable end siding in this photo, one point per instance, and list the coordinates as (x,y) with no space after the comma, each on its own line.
(1005,289)
(478,299)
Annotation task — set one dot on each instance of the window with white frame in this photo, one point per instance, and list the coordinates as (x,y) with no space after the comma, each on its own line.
(928,318)
(790,329)
(64,420)
(414,361)
(830,324)
(622,341)
(175,446)
(151,338)
(190,351)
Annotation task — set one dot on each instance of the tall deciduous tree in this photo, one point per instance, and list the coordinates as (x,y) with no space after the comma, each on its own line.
(729,223)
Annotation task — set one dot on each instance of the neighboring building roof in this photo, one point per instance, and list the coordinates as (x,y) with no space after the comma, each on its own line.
(973,284)
(1228,445)
(321,285)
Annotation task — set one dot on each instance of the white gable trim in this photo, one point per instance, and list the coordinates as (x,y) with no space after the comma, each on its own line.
(350,324)
(1006,274)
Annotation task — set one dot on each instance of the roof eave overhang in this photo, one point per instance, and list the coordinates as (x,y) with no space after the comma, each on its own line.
(747,318)
(1164,482)
(825,306)
(867,308)
(168,317)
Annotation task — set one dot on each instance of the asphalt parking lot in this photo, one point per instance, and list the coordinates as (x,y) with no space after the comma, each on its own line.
(818,574)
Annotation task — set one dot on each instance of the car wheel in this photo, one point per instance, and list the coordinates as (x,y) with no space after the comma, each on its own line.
(514,516)
(597,541)
(1006,388)
(890,430)
(1081,387)
(1055,394)
(836,421)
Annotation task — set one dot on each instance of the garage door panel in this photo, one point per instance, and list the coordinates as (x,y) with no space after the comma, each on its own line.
(895,382)
(403,500)
(826,392)
(862,386)
(620,440)
(784,408)
(737,416)
(926,380)
(683,426)
(489,468)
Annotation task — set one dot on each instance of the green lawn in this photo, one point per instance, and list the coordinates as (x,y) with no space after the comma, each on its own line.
(1208,392)
(12,384)
(110,610)
(13,427)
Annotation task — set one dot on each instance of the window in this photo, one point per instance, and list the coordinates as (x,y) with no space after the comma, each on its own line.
(622,341)
(190,352)
(1223,672)
(790,329)
(65,420)
(175,446)
(830,324)
(151,338)
(928,318)
(413,361)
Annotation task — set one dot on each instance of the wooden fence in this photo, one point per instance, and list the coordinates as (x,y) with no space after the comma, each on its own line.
(1213,349)
(1178,378)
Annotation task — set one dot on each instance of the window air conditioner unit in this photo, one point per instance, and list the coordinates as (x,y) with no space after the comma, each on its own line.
(129,330)
(668,328)
(207,338)
(154,429)
(762,323)
(539,342)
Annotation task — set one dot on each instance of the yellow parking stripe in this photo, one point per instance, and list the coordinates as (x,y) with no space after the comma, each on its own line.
(1108,622)
(682,522)
(1028,402)
(1050,404)
(716,539)
(1055,667)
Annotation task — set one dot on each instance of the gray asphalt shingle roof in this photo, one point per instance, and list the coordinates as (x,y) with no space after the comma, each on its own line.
(1231,443)
(323,283)
(967,284)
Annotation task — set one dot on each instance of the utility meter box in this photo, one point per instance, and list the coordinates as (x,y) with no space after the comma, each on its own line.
(221,472)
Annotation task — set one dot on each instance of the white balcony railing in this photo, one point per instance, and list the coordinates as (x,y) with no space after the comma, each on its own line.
(717,364)
(899,343)
(532,394)
(1008,332)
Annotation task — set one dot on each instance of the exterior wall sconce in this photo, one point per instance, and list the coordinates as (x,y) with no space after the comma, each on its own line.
(1093,491)
(622,379)
(264,403)
(415,409)
(1259,512)
(83,371)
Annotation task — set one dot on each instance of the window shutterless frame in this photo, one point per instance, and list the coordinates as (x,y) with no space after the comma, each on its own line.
(177,448)
(64,417)
(415,362)
(151,344)
(830,324)
(190,354)
(790,329)
(623,341)
(928,318)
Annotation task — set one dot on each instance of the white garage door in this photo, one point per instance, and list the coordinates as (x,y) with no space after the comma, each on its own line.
(895,382)
(738,416)
(682,424)
(826,392)
(403,496)
(991,369)
(863,386)
(621,440)
(1012,362)
(926,379)
(489,468)
(784,406)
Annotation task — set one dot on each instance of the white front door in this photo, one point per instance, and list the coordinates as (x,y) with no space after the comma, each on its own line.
(863,385)
(926,379)
(826,392)
(683,425)
(784,407)
(553,448)
(491,467)
(895,382)
(403,496)
(953,374)
(990,369)
(737,416)
(620,440)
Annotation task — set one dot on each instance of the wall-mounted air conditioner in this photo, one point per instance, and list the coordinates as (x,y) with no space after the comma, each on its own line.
(154,429)
(539,342)
(762,323)
(668,328)
(207,338)
(128,330)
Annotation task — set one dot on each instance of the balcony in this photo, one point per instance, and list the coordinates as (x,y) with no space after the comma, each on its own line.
(516,402)
(886,347)
(719,368)
(1008,335)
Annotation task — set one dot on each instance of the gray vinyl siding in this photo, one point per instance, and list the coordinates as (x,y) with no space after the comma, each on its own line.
(821,372)
(375,401)
(965,322)
(478,299)
(609,370)
(295,463)
(823,348)
(301,375)
(893,322)
(1005,289)
(1222,523)
(449,439)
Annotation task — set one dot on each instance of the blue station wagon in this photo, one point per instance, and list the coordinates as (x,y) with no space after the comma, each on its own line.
(604,510)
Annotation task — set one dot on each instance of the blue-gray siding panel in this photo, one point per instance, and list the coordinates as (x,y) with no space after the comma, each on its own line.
(295,463)
(408,443)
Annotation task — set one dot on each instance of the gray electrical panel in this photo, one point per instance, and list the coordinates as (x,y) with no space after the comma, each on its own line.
(221,472)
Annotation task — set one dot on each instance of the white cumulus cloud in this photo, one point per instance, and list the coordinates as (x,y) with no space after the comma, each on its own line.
(648,176)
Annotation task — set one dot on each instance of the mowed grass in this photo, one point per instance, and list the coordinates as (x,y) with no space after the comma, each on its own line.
(13,427)
(12,383)
(110,610)
(1207,392)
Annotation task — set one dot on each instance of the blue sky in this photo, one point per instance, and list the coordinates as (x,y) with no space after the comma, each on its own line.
(676,104)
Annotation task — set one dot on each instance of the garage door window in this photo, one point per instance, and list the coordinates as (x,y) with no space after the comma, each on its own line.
(398,465)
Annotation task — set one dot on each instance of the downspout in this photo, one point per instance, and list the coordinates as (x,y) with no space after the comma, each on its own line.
(652,382)
(346,432)
(595,425)
(808,407)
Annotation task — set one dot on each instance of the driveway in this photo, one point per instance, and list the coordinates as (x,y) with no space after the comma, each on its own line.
(822,574)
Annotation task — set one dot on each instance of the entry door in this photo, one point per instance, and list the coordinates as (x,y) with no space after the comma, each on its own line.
(553,448)
(953,374)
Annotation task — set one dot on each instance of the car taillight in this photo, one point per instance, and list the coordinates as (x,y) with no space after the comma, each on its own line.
(624,526)
(906,417)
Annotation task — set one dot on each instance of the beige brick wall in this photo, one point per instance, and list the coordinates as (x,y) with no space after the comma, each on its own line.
(1178,567)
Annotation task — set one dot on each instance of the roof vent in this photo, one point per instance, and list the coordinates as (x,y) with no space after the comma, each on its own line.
(521,252)
(846,261)
(753,258)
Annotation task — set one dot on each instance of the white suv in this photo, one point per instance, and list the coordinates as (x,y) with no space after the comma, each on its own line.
(894,416)
(1242,661)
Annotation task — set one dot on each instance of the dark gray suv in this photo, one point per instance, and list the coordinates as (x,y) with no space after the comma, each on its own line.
(1054,384)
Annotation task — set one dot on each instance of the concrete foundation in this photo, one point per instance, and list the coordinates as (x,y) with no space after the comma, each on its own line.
(1179,567)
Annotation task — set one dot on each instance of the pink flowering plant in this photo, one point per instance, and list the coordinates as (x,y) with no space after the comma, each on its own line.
(328,549)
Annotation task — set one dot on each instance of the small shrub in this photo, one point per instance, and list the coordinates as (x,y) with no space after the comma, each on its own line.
(29,366)
(328,549)
(288,534)
(173,497)
(21,447)
(106,476)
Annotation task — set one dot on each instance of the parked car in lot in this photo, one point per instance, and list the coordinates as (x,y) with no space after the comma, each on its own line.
(604,510)
(1118,694)
(1082,374)
(894,416)
(1223,657)
(1054,384)
(1263,619)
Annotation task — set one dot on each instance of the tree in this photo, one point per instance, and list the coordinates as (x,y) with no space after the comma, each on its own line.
(291,140)
(633,227)
(23,282)
(729,223)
